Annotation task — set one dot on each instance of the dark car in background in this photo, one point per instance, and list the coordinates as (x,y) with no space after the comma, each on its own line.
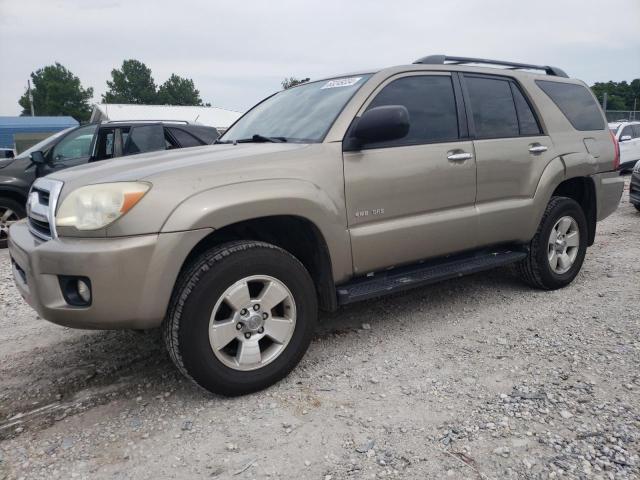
(85,144)
(634,187)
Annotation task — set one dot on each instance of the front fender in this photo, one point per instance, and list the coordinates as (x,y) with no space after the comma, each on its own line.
(226,205)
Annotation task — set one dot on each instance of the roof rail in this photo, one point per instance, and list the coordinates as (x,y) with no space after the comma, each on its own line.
(441,59)
(186,122)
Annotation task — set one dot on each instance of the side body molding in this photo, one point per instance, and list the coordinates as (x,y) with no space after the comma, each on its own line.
(233,203)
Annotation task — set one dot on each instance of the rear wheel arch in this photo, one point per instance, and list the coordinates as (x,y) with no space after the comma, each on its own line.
(296,235)
(583,191)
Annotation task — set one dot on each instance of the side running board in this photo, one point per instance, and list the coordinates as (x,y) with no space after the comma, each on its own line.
(425,273)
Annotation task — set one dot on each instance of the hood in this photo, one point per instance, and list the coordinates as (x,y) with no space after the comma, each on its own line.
(197,167)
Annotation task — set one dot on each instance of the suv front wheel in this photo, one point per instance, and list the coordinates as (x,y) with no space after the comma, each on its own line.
(558,248)
(241,318)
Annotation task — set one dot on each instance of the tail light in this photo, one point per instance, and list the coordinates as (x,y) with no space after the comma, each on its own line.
(616,152)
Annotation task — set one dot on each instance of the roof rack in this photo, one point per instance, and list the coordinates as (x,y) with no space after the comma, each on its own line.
(186,122)
(441,59)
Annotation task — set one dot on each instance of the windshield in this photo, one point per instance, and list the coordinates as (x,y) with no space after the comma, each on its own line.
(301,114)
(43,144)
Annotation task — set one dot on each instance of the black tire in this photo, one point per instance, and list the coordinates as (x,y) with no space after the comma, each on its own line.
(637,205)
(196,293)
(535,269)
(17,208)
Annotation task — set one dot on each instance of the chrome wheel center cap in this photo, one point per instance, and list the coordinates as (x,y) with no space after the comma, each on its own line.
(254,322)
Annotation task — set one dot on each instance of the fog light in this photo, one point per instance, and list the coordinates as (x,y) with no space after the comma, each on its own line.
(84,291)
(76,290)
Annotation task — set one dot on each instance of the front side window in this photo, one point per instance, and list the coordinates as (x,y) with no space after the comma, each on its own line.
(432,108)
(301,114)
(493,107)
(77,144)
(576,103)
(636,131)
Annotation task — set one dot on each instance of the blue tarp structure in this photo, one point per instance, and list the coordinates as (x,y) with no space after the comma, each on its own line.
(9,126)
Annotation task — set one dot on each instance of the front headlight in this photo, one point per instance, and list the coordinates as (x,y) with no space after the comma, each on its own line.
(96,206)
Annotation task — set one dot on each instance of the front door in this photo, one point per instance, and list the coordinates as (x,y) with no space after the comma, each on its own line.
(413,198)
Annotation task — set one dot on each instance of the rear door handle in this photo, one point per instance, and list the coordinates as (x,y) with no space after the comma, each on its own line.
(537,148)
(459,156)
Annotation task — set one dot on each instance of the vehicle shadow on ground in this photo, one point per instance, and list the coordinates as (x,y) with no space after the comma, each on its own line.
(96,367)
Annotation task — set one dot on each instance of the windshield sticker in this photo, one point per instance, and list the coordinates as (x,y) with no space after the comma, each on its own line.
(341,82)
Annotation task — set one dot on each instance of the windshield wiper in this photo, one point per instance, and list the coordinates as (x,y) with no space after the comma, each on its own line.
(261,138)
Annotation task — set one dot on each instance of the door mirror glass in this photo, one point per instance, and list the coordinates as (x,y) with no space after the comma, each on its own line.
(625,138)
(382,124)
(38,157)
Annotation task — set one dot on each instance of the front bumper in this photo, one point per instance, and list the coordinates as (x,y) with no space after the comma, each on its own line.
(132,278)
(609,187)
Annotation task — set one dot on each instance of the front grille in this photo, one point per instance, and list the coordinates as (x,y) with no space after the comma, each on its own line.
(43,228)
(43,196)
(41,208)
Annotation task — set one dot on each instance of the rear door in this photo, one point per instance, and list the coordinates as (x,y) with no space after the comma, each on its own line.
(413,198)
(511,153)
(629,147)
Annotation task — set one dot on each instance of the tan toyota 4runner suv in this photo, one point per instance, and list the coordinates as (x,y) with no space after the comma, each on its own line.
(331,192)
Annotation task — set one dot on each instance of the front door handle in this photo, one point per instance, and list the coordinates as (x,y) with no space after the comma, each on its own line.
(537,148)
(459,156)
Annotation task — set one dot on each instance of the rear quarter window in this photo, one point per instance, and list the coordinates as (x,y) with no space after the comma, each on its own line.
(576,103)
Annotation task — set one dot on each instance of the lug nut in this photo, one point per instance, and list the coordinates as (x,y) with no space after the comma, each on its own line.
(239,326)
(265,315)
(243,312)
(247,335)
(256,307)
(261,330)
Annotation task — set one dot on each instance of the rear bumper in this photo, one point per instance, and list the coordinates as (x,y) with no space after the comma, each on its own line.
(132,278)
(609,186)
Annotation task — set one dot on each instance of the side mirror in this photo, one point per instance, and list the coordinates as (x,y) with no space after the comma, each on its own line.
(382,124)
(625,138)
(38,157)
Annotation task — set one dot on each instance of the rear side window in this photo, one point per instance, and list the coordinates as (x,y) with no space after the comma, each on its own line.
(432,108)
(636,131)
(526,119)
(184,139)
(494,111)
(576,103)
(146,138)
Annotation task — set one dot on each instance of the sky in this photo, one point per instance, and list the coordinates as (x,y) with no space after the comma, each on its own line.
(237,52)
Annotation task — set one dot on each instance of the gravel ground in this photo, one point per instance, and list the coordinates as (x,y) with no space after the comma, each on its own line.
(479,377)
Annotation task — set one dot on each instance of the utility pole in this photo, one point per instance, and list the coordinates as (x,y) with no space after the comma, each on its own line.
(635,105)
(604,101)
(30,97)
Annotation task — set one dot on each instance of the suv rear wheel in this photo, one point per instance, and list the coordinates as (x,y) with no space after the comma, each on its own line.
(241,318)
(10,212)
(558,248)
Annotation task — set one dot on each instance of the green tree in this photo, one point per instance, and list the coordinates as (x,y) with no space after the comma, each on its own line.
(292,82)
(178,91)
(133,83)
(57,91)
(620,95)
